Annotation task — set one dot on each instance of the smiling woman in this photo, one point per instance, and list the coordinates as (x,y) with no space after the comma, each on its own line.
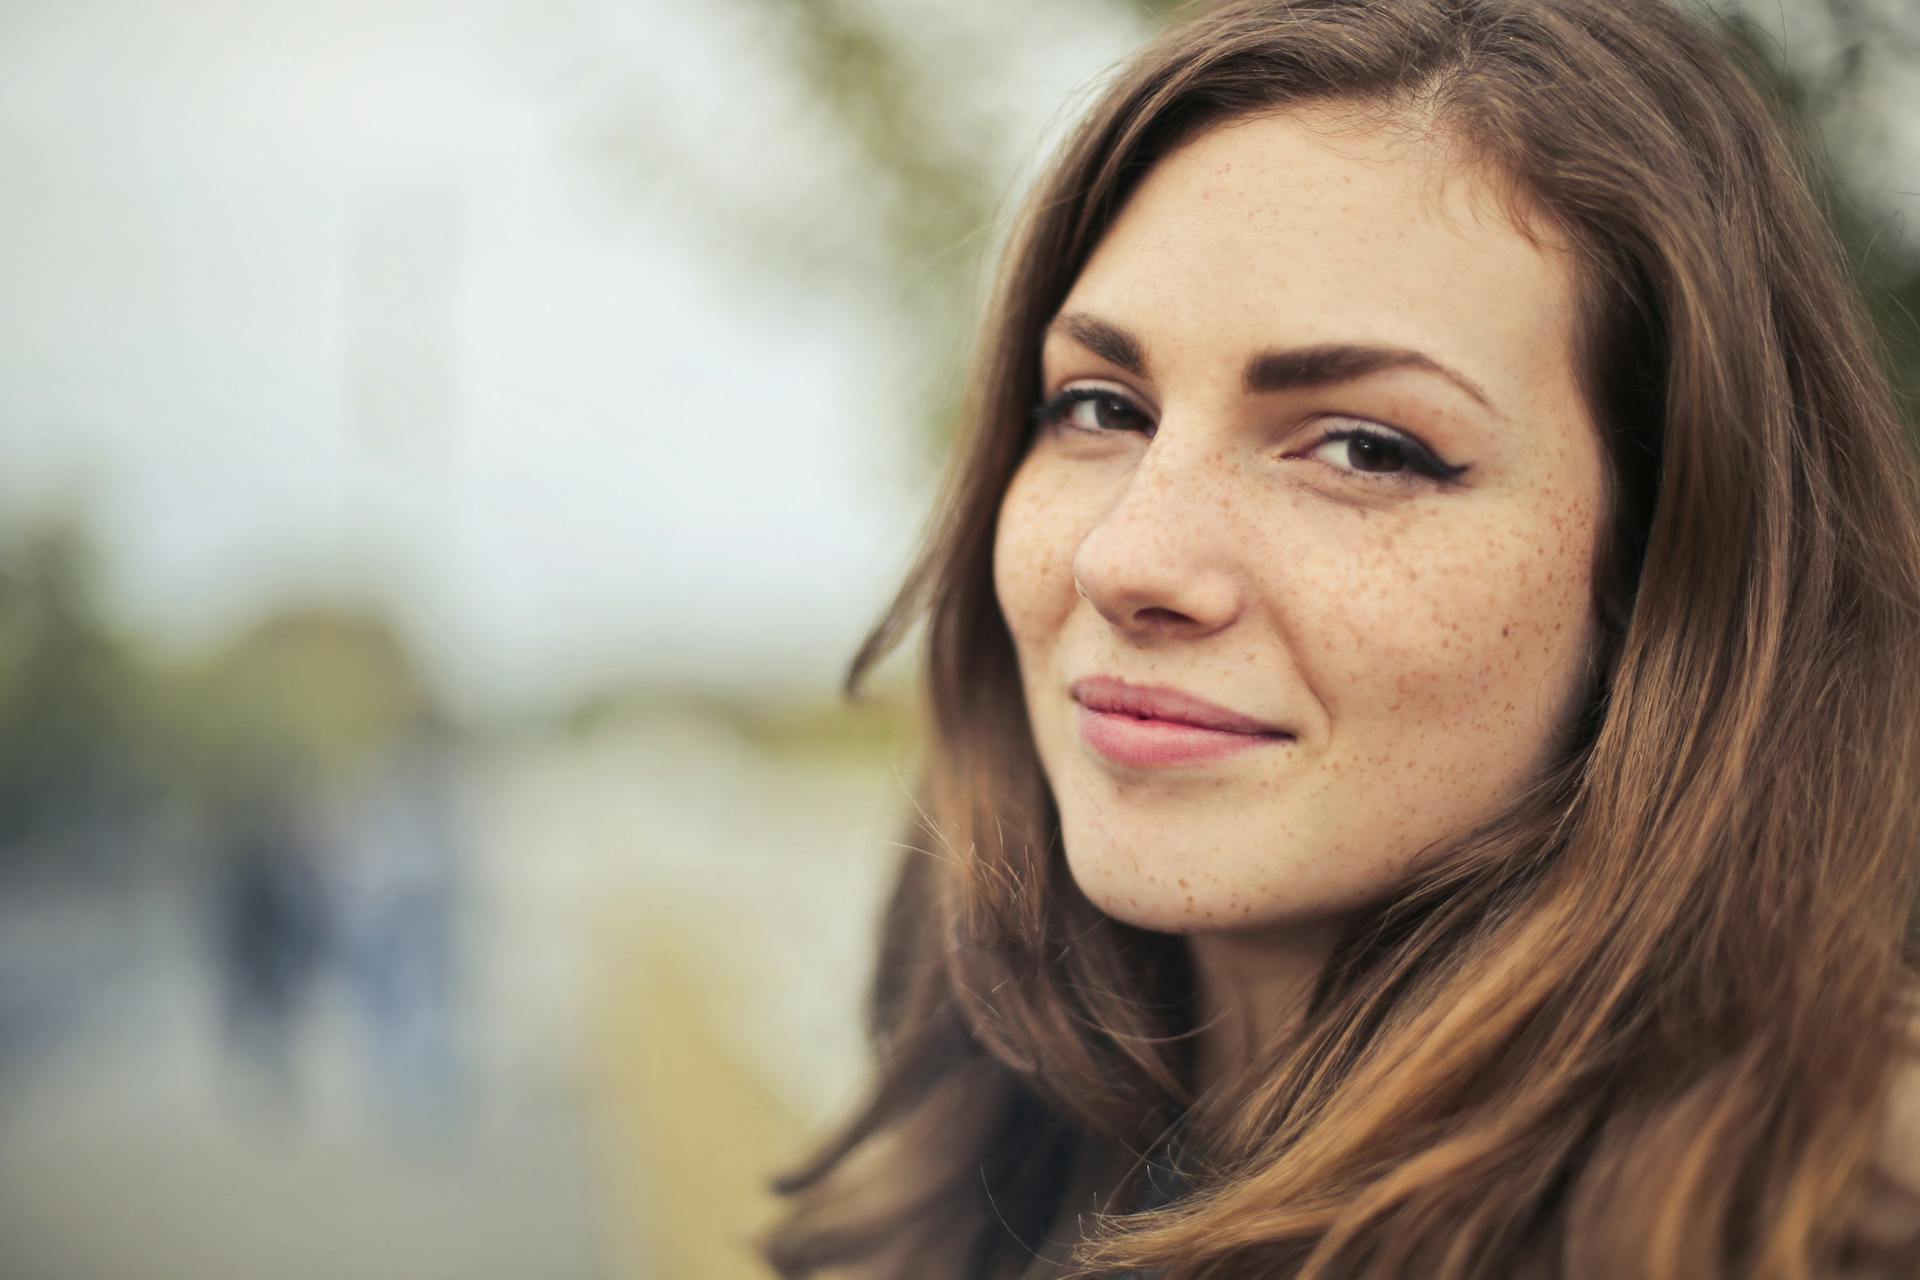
(1330,535)
(1424,761)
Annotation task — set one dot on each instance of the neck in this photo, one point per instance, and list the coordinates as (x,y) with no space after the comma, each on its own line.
(1253,988)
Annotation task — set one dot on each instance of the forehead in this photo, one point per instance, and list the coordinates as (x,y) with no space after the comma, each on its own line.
(1323,224)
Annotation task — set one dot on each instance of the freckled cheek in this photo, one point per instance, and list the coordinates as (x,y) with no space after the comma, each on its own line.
(1034,545)
(1454,638)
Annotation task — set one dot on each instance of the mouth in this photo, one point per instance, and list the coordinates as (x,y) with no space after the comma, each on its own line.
(1142,726)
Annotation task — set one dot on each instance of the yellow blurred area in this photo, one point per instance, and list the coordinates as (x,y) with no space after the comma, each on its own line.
(696,1124)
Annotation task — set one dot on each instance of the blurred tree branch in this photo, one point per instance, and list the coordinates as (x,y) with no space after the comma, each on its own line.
(904,215)
(1833,103)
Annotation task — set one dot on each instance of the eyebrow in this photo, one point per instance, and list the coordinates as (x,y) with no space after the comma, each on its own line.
(1281,369)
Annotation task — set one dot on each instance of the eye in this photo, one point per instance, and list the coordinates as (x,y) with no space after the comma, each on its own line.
(1095,409)
(1381,455)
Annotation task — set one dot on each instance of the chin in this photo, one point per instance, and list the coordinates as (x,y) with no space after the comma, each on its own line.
(1151,885)
(1152,911)
(1150,889)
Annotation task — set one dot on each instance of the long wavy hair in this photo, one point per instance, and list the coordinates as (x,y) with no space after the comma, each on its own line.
(1644,1023)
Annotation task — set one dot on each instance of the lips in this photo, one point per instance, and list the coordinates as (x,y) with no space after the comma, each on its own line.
(1166,705)
(1144,728)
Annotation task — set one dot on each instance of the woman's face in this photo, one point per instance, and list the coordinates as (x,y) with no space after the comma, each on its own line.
(1315,453)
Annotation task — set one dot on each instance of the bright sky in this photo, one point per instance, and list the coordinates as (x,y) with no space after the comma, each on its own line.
(329,298)
(323,298)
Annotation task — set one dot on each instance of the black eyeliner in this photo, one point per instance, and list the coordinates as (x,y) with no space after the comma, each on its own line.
(1422,459)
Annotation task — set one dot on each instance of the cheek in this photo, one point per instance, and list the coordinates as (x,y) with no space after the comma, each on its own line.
(1463,648)
(1033,550)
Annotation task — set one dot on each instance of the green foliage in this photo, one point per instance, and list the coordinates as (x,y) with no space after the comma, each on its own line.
(67,690)
(97,737)
(1827,104)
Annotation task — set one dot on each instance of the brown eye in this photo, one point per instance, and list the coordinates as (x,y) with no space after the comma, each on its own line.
(1092,409)
(1364,453)
(1371,451)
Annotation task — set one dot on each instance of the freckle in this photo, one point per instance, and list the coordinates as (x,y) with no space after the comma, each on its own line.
(1183,884)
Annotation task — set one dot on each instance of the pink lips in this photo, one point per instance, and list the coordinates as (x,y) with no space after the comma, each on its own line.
(1144,726)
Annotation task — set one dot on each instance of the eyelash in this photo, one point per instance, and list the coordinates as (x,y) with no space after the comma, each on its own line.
(1420,461)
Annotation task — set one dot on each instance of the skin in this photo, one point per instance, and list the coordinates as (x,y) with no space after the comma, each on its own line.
(1425,643)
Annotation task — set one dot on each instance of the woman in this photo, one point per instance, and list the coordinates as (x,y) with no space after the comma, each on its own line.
(1423,640)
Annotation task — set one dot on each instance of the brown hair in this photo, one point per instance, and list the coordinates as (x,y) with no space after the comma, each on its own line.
(1648,1021)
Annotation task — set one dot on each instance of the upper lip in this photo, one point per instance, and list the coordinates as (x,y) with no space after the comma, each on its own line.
(1159,702)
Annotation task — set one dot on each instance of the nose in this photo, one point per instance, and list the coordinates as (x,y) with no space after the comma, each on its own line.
(1160,561)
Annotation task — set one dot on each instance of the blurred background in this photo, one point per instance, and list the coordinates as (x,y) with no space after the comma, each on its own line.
(448,451)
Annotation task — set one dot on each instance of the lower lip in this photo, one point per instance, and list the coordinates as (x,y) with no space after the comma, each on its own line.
(1130,740)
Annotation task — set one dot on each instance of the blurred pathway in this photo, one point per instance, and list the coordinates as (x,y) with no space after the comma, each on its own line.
(667,932)
(132,1148)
